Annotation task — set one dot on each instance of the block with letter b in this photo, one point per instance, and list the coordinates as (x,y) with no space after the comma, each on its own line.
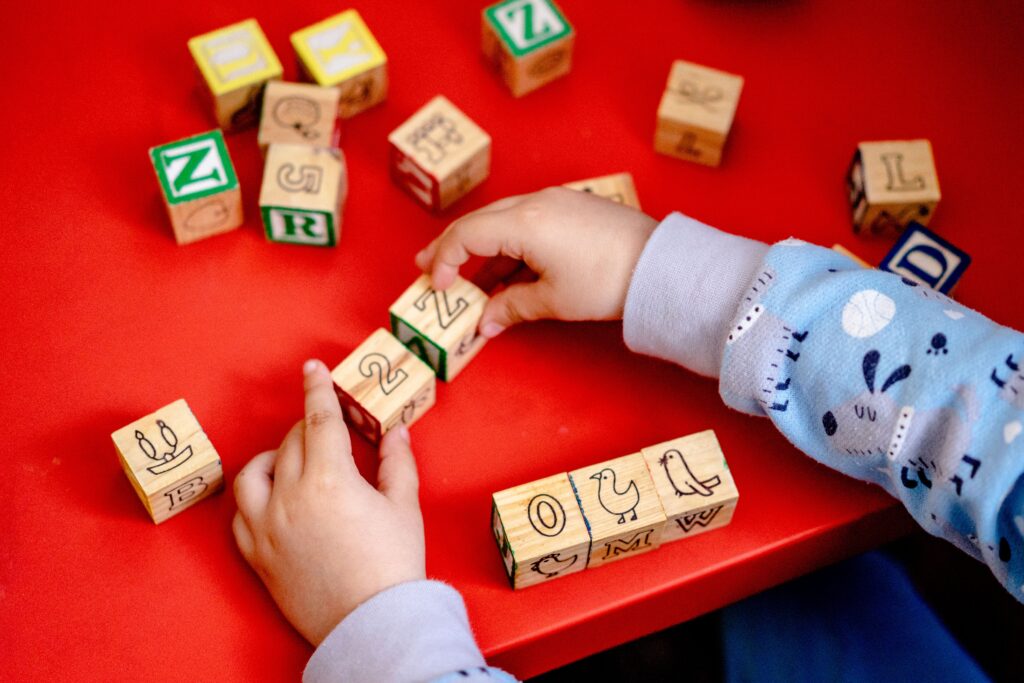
(440,327)
(540,531)
(299,114)
(693,483)
(890,184)
(923,257)
(621,506)
(340,51)
(439,154)
(618,188)
(696,112)
(236,62)
(303,194)
(199,185)
(529,42)
(169,460)
(382,384)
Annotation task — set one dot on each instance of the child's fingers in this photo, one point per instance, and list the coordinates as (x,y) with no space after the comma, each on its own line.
(425,258)
(243,537)
(514,304)
(397,478)
(497,270)
(328,447)
(253,485)
(290,459)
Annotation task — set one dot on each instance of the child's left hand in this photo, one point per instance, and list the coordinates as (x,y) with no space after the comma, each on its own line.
(319,536)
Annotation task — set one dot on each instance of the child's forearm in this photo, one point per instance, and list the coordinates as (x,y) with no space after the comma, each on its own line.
(869,374)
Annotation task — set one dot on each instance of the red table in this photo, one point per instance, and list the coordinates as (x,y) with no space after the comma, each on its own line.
(105,319)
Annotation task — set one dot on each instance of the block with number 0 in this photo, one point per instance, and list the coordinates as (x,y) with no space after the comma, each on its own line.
(529,42)
(382,384)
(440,327)
(169,460)
(303,194)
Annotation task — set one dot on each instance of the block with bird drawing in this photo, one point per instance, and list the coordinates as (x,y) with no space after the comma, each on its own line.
(621,506)
(540,531)
(693,483)
(299,114)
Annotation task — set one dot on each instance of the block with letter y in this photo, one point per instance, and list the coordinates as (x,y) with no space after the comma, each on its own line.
(303,194)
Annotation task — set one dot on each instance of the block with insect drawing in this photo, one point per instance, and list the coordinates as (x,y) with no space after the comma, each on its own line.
(440,327)
(169,460)
(621,506)
(303,194)
(923,257)
(199,186)
(299,114)
(382,384)
(693,483)
(617,187)
(540,531)
(341,52)
(439,154)
(696,112)
(890,184)
(236,63)
(529,42)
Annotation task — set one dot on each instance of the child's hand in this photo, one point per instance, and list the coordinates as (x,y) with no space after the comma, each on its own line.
(321,538)
(583,249)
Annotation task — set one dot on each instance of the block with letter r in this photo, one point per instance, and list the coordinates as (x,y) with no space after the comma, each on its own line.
(924,257)
(303,194)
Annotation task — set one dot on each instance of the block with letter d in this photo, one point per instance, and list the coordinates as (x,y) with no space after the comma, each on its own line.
(440,327)
(303,194)
(923,257)
(381,385)
(529,42)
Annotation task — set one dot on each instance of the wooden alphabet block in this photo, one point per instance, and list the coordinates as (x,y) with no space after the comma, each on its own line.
(693,483)
(696,112)
(529,42)
(924,257)
(621,506)
(891,184)
(850,255)
(439,154)
(382,384)
(540,531)
(303,194)
(169,460)
(440,327)
(236,62)
(617,187)
(199,185)
(299,114)
(340,51)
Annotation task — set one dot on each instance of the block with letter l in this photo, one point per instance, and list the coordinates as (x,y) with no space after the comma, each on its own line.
(923,257)
(890,184)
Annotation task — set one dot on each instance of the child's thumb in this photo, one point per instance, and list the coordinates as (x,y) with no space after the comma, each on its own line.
(515,304)
(397,477)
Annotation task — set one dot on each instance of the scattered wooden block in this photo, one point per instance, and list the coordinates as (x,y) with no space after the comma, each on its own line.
(299,114)
(303,194)
(340,51)
(199,185)
(169,460)
(850,255)
(236,62)
(693,483)
(621,507)
(440,327)
(923,257)
(617,187)
(891,184)
(540,531)
(439,154)
(382,384)
(528,41)
(696,112)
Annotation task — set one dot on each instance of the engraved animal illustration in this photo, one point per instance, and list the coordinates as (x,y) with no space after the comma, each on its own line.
(684,481)
(930,444)
(615,501)
(1009,378)
(552,564)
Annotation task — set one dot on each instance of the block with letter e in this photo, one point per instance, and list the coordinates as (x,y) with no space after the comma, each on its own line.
(890,184)
(303,194)
(923,257)
(236,62)
(382,384)
(693,483)
(200,188)
(540,531)
(169,460)
(529,42)
(621,506)
(440,327)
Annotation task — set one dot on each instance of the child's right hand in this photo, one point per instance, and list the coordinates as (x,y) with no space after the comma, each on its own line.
(583,249)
